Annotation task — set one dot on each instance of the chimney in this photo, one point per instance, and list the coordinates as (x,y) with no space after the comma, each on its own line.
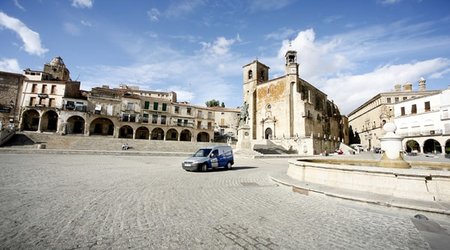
(397,87)
(422,84)
(407,87)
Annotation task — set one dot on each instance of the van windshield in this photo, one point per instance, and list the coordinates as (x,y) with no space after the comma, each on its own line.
(202,152)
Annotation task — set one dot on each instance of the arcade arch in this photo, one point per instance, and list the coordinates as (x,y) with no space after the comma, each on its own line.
(185,135)
(75,125)
(49,121)
(432,146)
(30,120)
(142,133)
(172,135)
(157,134)
(203,137)
(126,132)
(101,126)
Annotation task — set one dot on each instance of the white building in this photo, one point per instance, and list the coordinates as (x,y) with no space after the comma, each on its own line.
(424,122)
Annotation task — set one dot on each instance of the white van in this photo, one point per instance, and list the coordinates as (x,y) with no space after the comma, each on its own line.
(210,158)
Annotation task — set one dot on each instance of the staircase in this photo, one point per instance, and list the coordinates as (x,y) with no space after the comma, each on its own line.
(100,143)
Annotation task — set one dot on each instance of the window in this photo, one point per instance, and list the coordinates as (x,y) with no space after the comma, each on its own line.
(44,88)
(389,100)
(177,109)
(199,114)
(402,110)
(132,118)
(163,119)
(250,74)
(51,102)
(404,98)
(32,101)
(130,106)
(34,88)
(222,121)
(185,123)
(179,121)
(53,90)
(146,105)
(155,106)
(427,106)
(145,118)
(199,125)
(164,107)
(125,117)
(188,110)
(396,99)
(154,119)
(209,125)
(210,115)
(414,109)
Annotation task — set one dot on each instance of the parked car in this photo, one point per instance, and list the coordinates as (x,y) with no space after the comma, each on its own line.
(207,158)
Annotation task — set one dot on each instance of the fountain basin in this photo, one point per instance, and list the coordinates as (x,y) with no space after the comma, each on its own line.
(364,176)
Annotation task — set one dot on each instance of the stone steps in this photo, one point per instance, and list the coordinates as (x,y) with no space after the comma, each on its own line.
(106,143)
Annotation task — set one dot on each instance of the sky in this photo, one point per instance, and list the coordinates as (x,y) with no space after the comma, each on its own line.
(350,49)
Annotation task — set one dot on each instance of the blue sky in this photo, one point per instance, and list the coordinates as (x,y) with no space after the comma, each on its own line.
(351,50)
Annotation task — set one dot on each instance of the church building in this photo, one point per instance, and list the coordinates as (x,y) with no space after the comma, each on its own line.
(289,111)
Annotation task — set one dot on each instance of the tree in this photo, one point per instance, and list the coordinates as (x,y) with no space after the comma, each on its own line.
(222,105)
(214,103)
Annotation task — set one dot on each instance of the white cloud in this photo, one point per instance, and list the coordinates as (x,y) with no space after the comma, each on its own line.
(317,59)
(30,38)
(268,5)
(86,23)
(154,14)
(82,3)
(18,5)
(389,2)
(9,65)
(281,34)
(179,8)
(350,91)
(348,61)
(220,47)
(72,29)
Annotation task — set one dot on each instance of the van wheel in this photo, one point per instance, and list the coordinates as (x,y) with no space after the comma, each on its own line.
(229,165)
(204,167)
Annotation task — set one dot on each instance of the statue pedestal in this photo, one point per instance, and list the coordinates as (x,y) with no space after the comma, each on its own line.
(244,138)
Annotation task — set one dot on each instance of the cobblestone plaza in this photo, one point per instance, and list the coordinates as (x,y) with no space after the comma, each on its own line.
(67,201)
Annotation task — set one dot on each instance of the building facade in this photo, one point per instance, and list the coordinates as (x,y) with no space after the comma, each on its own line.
(51,102)
(10,90)
(290,111)
(368,119)
(424,123)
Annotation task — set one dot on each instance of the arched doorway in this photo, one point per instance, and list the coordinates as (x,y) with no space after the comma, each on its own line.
(203,137)
(157,134)
(142,133)
(432,146)
(126,132)
(49,121)
(412,145)
(75,125)
(268,133)
(101,126)
(185,135)
(30,120)
(172,135)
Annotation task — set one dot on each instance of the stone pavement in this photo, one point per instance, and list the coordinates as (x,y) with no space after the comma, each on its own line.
(70,201)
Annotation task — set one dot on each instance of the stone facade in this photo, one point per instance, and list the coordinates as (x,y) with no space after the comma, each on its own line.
(10,89)
(290,111)
(368,119)
(51,102)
